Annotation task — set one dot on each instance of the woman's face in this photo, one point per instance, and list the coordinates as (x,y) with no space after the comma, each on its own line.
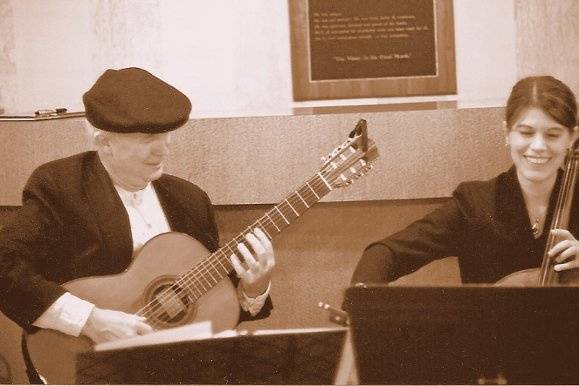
(538,145)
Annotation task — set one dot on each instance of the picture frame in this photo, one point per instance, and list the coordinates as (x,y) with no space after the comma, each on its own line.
(371,48)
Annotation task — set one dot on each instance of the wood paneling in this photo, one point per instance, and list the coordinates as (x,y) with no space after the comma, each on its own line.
(317,255)
(315,260)
(258,160)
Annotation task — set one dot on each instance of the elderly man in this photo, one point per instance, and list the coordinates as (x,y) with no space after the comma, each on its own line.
(90,214)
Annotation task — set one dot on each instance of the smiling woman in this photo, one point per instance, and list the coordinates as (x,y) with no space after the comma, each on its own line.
(496,227)
(538,146)
(540,128)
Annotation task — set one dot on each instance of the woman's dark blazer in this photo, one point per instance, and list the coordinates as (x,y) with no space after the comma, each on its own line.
(485,224)
(73,224)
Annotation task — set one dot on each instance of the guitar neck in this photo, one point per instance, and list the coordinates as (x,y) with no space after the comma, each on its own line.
(201,278)
(345,163)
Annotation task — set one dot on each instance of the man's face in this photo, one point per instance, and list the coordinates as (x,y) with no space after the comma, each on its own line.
(135,159)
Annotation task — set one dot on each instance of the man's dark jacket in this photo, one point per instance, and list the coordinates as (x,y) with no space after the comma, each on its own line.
(73,224)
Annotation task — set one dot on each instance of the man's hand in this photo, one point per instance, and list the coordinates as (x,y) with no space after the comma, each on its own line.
(105,325)
(255,272)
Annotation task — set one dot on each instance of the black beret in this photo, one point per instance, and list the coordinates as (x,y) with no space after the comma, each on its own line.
(133,100)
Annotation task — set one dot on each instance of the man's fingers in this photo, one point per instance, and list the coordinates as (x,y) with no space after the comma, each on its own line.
(143,329)
(247,256)
(237,266)
(263,238)
(262,247)
(256,245)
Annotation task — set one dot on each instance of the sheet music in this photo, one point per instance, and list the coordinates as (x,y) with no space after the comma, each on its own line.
(297,330)
(198,331)
(193,331)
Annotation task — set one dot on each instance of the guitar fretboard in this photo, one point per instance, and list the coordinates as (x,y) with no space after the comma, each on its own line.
(205,275)
(347,162)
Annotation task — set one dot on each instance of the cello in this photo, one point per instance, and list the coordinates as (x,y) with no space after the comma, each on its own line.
(546,275)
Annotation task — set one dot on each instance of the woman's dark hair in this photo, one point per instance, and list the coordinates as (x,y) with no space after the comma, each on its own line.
(547,93)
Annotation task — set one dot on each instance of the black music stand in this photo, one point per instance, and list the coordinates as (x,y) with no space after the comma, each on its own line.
(465,335)
(281,357)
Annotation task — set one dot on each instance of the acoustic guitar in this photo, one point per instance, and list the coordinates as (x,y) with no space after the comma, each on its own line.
(174,280)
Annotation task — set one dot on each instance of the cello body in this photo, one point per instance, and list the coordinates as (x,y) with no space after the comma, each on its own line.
(530,278)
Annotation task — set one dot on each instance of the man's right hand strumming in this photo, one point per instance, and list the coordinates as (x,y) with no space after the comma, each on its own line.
(105,325)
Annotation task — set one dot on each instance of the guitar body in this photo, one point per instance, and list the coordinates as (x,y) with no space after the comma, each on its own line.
(156,267)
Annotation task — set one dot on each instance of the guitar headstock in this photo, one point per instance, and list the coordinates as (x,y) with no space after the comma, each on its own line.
(352,159)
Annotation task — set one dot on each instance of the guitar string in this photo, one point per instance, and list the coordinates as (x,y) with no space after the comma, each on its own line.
(169,295)
(221,250)
(192,279)
(227,269)
(218,262)
(176,300)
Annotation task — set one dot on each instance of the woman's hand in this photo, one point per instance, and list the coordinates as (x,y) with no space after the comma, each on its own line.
(255,272)
(566,251)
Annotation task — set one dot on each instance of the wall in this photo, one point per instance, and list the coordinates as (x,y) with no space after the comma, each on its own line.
(317,256)
(546,39)
(231,57)
(432,150)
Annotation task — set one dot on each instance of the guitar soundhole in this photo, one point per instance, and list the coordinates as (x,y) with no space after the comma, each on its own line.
(170,305)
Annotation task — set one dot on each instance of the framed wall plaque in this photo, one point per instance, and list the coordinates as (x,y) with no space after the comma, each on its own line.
(371,48)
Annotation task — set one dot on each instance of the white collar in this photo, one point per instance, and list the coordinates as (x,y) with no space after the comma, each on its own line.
(134,198)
